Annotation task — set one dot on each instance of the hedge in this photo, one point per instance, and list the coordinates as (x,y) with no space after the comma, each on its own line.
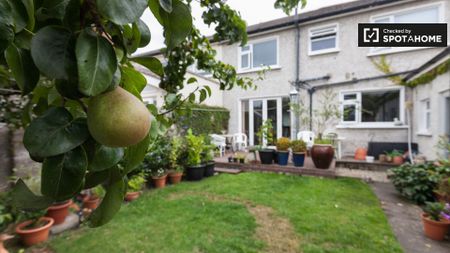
(203,119)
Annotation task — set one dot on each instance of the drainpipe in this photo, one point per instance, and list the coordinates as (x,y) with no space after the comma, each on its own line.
(311,92)
(297,68)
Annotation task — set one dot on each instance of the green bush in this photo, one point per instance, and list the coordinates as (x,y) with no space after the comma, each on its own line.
(194,145)
(283,144)
(136,182)
(434,210)
(203,119)
(298,146)
(417,182)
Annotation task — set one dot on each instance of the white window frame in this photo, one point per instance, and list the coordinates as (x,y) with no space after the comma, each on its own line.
(356,102)
(249,52)
(387,50)
(323,51)
(424,111)
(358,123)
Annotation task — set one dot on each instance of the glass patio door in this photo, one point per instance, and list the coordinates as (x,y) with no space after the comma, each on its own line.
(259,111)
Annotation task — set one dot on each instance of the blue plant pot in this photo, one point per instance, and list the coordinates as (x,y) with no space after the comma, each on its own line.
(299,159)
(283,158)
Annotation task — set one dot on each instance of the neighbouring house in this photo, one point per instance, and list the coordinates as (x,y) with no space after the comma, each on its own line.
(317,52)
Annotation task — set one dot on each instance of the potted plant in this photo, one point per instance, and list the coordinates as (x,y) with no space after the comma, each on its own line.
(35,229)
(265,132)
(208,157)
(159,177)
(230,159)
(135,185)
(59,211)
(298,152)
(283,144)
(92,200)
(396,157)
(241,157)
(7,218)
(434,225)
(176,170)
(194,145)
(442,193)
(322,152)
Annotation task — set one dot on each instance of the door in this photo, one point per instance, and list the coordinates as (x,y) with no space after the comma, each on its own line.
(259,111)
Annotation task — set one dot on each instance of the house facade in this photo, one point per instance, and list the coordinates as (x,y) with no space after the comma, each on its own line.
(315,57)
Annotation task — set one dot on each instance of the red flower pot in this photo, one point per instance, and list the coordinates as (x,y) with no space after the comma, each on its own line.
(397,160)
(59,211)
(360,154)
(159,182)
(322,155)
(34,236)
(130,196)
(175,177)
(435,230)
(91,202)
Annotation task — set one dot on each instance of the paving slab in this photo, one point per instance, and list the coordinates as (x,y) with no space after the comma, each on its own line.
(72,221)
(404,217)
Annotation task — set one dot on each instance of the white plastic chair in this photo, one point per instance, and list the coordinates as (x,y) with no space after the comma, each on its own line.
(306,136)
(239,141)
(219,142)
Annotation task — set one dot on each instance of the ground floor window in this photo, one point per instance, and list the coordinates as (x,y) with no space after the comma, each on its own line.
(255,111)
(371,106)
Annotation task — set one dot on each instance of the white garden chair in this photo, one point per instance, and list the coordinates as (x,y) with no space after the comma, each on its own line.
(219,142)
(239,141)
(306,136)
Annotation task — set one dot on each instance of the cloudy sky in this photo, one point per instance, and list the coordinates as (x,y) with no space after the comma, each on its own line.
(253,11)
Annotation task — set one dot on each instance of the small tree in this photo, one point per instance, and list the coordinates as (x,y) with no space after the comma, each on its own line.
(327,114)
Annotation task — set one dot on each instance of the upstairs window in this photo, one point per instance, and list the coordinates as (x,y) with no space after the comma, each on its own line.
(323,39)
(258,54)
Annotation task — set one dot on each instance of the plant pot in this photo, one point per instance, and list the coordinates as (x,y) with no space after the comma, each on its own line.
(266,156)
(159,182)
(389,159)
(397,160)
(435,230)
(275,156)
(360,154)
(130,196)
(175,177)
(241,160)
(235,160)
(59,211)
(91,202)
(382,158)
(230,159)
(283,157)
(209,169)
(322,155)
(298,159)
(195,173)
(34,236)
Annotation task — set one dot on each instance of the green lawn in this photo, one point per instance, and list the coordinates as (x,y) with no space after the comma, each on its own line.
(250,212)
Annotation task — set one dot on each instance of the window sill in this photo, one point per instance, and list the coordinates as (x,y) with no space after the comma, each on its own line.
(245,71)
(327,51)
(371,126)
(425,134)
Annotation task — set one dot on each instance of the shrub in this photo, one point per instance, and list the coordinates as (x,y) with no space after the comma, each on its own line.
(417,182)
(323,141)
(298,146)
(136,182)
(444,187)
(194,149)
(98,191)
(283,144)
(208,150)
(202,119)
(434,210)
(176,154)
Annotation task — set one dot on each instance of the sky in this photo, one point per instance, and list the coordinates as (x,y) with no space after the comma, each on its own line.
(252,11)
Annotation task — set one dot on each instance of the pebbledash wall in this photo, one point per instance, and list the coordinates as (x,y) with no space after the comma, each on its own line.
(347,63)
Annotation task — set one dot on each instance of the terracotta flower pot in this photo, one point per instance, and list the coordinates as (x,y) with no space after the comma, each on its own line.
(435,230)
(159,182)
(322,156)
(34,236)
(360,154)
(382,158)
(59,211)
(175,177)
(397,160)
(91,202)
(3,239)
(130,196)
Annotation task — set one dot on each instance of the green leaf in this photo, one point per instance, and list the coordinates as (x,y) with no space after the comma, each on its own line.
(177,24)
(151,63)
(52,9)
(68,88)
(203,95)
(208,89)
(112,201)
(134,155)
(29,7)
(192,80)
(23,69)
(117,78)
(105,158)
(62,175)
(132,37)
(97,63)
(24,199)
(54,133)
(72,15)
(93,179)
(19,14)
(52,49)
(166,5)
(23,40)
(6,25)
(133,81)
(122,12)
(144,32)
(154,130)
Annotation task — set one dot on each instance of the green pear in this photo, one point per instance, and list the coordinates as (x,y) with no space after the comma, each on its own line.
(118,119)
